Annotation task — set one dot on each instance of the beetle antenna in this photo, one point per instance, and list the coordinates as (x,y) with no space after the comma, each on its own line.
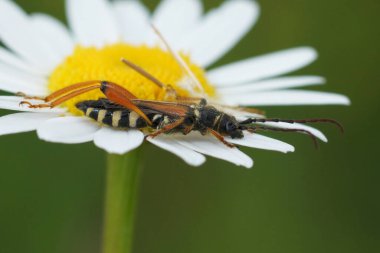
(291,121)
(184,66)
(254,129)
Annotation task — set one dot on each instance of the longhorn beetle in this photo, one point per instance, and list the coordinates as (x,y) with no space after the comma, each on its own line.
(121,109)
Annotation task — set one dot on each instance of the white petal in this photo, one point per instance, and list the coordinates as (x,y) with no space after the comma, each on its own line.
(15,80)
(273,84)
(262,142)
(23,122)
(18,34)
(68,130)
(220,30)
(312,130)
(55,34)
(169,143)
(12,60)
(262,67)
(287,97)
(14,87)
(92,22)
(175,18)
(13,103)
(134,21)
(118,141)
(240,113)
(209,145)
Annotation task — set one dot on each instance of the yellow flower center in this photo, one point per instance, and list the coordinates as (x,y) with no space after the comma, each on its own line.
(90,63)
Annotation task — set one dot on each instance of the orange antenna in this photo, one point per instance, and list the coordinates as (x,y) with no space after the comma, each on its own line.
(184,66)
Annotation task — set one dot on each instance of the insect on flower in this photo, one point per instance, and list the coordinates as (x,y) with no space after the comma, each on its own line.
(121,109)
(42,58)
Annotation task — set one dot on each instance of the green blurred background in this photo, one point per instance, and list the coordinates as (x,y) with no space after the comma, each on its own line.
(323,200)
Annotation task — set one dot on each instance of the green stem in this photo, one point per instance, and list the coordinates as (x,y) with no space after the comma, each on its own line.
(120,202)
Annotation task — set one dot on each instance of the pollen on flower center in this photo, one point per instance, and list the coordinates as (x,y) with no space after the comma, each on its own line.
(90,63)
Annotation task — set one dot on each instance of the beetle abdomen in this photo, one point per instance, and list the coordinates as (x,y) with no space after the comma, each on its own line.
(116,116)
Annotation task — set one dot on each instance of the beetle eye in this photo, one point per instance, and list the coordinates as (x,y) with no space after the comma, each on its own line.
(231,126)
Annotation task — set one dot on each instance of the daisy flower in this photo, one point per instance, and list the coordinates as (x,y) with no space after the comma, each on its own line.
(41,55)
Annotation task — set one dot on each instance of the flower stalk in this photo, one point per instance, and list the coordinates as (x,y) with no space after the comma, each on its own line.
(123,173)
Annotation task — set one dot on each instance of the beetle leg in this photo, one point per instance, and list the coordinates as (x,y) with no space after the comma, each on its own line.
(188,129)
(167,128)
(221,138)
(21,94)
(122,96)
(71,89)
(113,92)
(53,101)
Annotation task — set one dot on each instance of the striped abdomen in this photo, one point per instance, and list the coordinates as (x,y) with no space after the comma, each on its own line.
(116,116)
(123,118)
